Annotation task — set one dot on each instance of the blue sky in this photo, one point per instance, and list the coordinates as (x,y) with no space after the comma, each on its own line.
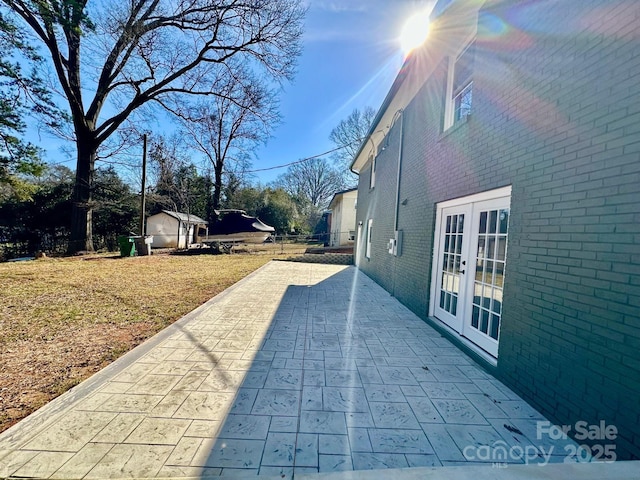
(351,57)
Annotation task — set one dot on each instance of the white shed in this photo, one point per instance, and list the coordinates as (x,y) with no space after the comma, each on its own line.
(343,218)
(174,229)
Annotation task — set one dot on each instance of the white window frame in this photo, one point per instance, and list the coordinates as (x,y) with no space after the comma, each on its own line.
(367,252)
(450,106)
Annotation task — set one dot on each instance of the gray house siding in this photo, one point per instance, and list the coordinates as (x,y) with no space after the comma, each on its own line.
(378,204)
(556,115)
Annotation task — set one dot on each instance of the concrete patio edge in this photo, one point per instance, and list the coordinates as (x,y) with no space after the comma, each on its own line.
(629,470)
(621,470)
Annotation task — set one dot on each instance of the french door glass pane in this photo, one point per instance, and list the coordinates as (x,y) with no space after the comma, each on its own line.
(451,263)
(489,278)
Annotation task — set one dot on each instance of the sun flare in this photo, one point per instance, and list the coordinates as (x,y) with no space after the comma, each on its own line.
(414,32)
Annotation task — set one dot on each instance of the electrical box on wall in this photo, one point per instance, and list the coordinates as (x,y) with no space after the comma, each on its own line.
(398,243)
(395,244)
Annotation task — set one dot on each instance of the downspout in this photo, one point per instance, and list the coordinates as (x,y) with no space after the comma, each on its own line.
(397,239)
(397,212)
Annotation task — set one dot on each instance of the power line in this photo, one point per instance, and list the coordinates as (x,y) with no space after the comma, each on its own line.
(284,165)
(306,159)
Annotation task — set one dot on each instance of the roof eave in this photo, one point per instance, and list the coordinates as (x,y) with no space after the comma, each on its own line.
(360,159)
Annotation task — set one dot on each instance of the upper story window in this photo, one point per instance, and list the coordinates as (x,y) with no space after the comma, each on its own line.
(460,87)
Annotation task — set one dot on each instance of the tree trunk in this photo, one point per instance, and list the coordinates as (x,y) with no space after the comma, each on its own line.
(217,185)
(81,238)
(210,207)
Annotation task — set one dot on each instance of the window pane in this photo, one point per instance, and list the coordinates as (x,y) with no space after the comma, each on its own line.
(499,280)
(481,249)
(491,246)
(495,325)
(474,317)
(454,224)
(462,103)
(483,222)
(488,272)
(484,322)
(486,298)
(497,302)
(477,293)
(493,218)
(497,299)
(463,69)
(502,248)
(504,221)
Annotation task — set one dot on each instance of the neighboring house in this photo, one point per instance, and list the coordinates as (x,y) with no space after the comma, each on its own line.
(499,199)
(343,218)
(174,229)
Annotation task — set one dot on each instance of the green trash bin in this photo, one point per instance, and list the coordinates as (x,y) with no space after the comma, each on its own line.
(127,246)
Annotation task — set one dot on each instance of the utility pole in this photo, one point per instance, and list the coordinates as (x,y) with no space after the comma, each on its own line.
(144,183)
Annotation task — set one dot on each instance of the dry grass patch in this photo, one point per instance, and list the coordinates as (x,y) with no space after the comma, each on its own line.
(62,320)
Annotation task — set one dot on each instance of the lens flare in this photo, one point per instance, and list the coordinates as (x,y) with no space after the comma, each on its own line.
(414,32)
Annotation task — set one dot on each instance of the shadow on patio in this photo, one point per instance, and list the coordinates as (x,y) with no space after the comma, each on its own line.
(346,378)
(297,369)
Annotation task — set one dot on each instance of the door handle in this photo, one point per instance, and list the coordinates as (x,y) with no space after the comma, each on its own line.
(462,271)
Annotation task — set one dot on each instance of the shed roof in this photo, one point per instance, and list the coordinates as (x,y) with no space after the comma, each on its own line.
(186,218)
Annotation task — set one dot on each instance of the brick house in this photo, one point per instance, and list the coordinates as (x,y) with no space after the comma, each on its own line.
(499,199)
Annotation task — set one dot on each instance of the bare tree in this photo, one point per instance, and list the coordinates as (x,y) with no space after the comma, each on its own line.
(124,54)
(227,129)
(166,158)
(314,180)
(175,181)
(349,135)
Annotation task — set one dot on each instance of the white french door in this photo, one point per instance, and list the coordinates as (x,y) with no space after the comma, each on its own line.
(452,265)
(469,260)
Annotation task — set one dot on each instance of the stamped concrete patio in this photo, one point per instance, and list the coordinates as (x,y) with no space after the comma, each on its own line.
(298,368)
